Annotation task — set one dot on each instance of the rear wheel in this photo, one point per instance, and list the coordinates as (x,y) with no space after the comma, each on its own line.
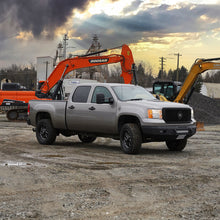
(130,138)
(45,132)
(176,145)
(86,138)
(12,115)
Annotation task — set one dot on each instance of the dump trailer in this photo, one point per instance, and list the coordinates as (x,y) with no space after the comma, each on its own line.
(15,103)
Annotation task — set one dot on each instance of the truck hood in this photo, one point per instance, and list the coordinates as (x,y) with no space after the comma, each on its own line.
(158,104)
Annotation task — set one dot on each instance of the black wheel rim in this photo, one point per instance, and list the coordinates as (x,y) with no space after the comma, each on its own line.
(127,140)
(43,132)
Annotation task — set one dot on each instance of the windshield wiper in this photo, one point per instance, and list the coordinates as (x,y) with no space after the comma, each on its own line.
(134,99)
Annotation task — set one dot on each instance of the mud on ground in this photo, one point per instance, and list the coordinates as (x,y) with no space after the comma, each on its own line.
(72,180)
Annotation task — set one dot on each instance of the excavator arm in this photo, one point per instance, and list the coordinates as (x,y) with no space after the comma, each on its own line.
(197,68)
(67,65)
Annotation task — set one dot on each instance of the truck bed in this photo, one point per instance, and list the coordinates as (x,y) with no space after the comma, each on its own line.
(57,111)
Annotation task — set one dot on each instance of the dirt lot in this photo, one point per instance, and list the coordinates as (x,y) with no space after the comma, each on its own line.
(71,180)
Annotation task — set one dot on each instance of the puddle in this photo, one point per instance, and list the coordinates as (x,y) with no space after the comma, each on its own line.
(51,156)
(109,162)
(20,164)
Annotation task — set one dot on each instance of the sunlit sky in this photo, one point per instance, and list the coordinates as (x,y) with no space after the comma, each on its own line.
(152,28)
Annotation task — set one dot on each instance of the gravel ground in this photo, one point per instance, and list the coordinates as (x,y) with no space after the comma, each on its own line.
(72,180)
(206,109)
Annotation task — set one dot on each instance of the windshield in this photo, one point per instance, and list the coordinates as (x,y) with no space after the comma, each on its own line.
(130,93)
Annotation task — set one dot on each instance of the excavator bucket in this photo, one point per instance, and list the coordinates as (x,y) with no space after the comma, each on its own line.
(200,126)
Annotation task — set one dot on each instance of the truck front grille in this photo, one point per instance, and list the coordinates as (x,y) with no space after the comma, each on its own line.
(176,115)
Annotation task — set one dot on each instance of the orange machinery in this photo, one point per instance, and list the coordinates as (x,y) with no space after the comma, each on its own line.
(20,99)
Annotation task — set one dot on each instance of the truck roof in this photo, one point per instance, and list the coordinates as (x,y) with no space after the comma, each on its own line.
(105,84)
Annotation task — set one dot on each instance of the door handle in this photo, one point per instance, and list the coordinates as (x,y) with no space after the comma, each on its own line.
(71,107)
(92,108)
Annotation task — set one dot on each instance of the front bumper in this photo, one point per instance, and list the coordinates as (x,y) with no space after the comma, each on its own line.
(168,132)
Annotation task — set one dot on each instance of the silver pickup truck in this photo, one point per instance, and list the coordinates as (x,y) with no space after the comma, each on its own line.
(121,111)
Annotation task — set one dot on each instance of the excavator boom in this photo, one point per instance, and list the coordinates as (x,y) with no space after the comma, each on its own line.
(65,66)
(200,66)
(197,68)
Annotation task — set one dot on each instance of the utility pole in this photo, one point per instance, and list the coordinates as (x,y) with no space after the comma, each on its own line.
(65,39)
(178,60)
(162,63)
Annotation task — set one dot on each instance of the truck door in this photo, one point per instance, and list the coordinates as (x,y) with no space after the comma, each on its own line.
(102,116)
(88,116)
(77,109)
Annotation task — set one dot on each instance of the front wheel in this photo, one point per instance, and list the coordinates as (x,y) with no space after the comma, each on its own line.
(86,138)
(45,132)
(176,145)
(130,138)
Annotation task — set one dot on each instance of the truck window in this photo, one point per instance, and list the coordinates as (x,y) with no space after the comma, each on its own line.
(81,94)
(103,90)
(126,93)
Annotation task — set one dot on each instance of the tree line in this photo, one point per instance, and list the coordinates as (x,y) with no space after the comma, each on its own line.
(212,78)
(144,72)
(145,76)
(25,75)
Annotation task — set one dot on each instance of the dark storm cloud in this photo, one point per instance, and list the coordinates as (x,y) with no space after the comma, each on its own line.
(38,15)
(159,21)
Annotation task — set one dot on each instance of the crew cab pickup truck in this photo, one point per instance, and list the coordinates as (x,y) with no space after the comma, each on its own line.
(125,112)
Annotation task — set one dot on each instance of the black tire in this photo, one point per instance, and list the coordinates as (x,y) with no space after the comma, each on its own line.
(176,145)
(130,138)
(86,138)
(45,132)
(12,115)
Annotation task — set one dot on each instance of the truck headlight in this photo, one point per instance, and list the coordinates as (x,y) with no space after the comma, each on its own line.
(155,113)
(192,113)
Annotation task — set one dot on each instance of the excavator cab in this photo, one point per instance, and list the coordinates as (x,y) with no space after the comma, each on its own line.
(168,89)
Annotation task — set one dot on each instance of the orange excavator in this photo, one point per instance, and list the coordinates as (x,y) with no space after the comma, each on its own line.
(15,102)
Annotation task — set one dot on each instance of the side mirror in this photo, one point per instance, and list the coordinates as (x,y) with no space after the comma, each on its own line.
(111,101)
(100,98)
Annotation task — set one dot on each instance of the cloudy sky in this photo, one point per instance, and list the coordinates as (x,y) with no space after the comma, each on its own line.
(152,28)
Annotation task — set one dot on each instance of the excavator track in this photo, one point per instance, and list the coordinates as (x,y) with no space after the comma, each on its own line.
(15,113)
